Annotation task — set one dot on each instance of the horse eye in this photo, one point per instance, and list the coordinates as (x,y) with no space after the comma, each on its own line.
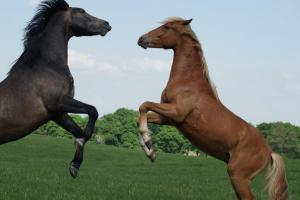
(81,11)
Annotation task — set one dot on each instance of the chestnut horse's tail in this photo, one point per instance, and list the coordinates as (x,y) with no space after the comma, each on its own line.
(277,185)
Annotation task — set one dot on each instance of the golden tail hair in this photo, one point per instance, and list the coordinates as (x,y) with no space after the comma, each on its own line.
(277,184)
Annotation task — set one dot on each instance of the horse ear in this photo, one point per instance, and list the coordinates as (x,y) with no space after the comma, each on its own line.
(187,22)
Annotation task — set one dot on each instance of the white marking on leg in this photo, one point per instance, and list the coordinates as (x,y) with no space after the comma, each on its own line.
(146,136)
(143,127)
(142,143)
(144,131)
(80,141)
(147,151)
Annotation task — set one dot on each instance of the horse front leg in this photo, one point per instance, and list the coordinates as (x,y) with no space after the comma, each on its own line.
(69,105)
(66,122)
(162,114)
(155,118)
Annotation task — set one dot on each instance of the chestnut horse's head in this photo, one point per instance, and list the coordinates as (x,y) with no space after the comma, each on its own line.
(166,36)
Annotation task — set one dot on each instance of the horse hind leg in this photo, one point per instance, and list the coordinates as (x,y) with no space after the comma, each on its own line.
(242,187)
(242,169)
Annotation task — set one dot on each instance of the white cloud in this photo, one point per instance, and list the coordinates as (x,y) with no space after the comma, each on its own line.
(91,63)
(33,2)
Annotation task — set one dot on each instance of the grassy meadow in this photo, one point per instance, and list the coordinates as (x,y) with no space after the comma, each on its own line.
(36,168)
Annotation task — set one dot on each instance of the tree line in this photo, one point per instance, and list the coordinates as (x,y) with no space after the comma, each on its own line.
(119,129)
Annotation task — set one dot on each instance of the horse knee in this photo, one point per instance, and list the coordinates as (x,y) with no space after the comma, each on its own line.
(143,107)
(93,112)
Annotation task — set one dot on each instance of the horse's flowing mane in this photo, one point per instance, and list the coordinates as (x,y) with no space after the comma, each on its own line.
(38,23)
(35,28)
(172,19)
(189,32)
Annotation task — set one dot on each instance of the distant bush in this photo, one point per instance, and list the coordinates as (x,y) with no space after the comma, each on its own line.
(284,138)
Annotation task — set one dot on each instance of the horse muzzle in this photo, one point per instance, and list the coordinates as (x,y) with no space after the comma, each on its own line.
(144,42)
(101,27)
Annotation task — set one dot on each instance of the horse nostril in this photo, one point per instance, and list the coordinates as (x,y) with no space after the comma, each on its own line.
(106,23)
(141,40)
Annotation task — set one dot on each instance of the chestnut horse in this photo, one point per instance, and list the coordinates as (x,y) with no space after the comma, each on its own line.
(191,104)
(40,86)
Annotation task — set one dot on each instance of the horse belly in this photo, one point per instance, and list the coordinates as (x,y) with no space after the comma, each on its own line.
(209,134)
(203,142)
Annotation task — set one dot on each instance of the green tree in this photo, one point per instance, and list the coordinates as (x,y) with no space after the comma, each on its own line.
(119,128)
(169,140)
(52,129)
(284,138)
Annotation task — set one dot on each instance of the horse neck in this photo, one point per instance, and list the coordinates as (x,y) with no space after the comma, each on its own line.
(54,44)
(188,61)
(189,65)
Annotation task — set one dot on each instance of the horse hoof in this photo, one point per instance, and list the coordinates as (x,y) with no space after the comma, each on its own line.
(152,157)
(73,171)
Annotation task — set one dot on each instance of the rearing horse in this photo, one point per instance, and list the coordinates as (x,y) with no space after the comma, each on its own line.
(190,103)
(40,87)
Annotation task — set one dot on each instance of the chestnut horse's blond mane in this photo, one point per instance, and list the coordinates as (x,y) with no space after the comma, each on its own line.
(188,31)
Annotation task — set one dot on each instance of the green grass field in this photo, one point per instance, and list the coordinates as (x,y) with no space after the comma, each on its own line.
(36,168)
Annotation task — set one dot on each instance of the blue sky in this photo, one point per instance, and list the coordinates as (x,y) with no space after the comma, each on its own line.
(252,49)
